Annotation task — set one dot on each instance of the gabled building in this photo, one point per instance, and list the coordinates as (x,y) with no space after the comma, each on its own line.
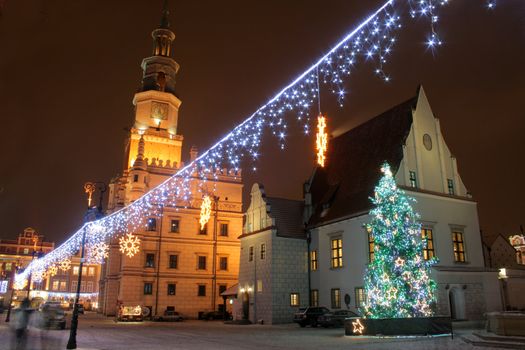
(409,138)
(273,275)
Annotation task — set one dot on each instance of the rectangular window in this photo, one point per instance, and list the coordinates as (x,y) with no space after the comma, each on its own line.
(201,291)
(89,287)
(136,178)
(174,262)
(74,285)
(150,260)
(335,296)
(360,297)
(171,289)
(148,288)
(26,250)
(413,179)
(459,246)
(84,270)
(152,224)
(201,263)
(223,263)
(263,251)
(259,286)
(250,256)
(55,285)
(313,260)
(450,184)
(337,253)
(91,271)
(294,299)
(314,297)
(204,230)
(75,270)
(223,229)
(371,245)
(428,240)
(63,286)
(8,266)
(174,226)
(222,288)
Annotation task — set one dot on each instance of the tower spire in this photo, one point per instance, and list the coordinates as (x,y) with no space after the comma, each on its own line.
(165,21)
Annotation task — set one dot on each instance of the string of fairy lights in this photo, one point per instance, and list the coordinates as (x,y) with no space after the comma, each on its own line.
(372,40)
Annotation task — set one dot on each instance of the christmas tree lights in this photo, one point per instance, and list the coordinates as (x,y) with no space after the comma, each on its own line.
(372,40)
(397,280)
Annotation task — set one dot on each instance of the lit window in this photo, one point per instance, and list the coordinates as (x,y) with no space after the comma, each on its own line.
(250,255)
(174,261)
(224,229)
(259,286)
(74,285)
(263,251)
(152,224)
(222,288)
(294,299)
(428,240)
(413,179)
(201,291)
(459,246)
(337,253)
(91,271)
(26,250)
(360,297)
(201,263)
(75,270)
(371,245)
(313,260)
(63,286)
(148,288)
(89,287)
(8,266)
(314,297)
(450,184)
(174,227)
(171,289)
(223,263)
(55,285)
(150,260)
(335,296)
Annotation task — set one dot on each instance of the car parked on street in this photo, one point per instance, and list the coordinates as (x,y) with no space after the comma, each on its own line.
(335,318)
(169,316)
(216,315)
(309,315)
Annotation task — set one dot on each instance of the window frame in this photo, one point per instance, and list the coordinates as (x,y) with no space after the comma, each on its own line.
(314,262)
(360,297)
(151,225)
(251,252)
(221,260)
(178,225)
(335,298)
(149,290)
(147,262)
(170,265)
(371,244)
(201,287)
(221,225)
(295,300)
(412,178)
(451,187)
(336,253)
(314,297)
(428,253)
(204,257)
(262,253)
(460,255)
(168,289)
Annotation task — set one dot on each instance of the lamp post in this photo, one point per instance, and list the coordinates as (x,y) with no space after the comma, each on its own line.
(91,214)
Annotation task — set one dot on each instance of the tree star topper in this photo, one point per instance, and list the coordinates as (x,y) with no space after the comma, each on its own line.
(129,244)
(205,211)
(321,140)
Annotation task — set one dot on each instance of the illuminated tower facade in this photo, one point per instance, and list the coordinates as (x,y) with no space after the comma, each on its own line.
(179,267)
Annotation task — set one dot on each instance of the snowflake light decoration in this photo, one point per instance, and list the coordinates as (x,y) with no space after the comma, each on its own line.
(205,211)
(52,270)
(98,252)
(64,265)
(129,244)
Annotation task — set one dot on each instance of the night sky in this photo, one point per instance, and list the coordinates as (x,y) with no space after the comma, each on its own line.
(69,69)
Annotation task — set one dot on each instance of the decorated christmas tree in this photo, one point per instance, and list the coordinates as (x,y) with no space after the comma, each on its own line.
(397,280)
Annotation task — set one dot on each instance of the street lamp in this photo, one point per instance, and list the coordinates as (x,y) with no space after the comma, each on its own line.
(91,214)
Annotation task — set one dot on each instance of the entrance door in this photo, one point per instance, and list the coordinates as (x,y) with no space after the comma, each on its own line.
(246,306)
(457,303)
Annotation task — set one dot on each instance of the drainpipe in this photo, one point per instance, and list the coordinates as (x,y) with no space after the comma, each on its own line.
(158,260)
(308,241)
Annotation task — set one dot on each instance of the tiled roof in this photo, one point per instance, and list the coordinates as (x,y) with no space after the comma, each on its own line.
(342,189)
(288,215)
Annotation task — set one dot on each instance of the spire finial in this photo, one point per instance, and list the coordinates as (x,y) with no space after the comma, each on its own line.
(165,22)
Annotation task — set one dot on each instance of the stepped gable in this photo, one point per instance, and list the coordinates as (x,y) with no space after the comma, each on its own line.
(343,188)
(288,215)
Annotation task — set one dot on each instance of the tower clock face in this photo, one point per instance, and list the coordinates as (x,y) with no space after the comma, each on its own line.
(159,110)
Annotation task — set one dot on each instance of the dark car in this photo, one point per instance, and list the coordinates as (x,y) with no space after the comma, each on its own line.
(216,315)
(80,308)
(309,316)
(335,318)
(53,316)
(169,316)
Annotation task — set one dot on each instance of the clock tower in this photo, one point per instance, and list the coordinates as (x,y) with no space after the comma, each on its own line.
(156,104)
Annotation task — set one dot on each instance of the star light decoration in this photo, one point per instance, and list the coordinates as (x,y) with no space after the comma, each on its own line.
(205,211)
(372,40)
(358,326)
(129,244)
(397,282)
(321,140)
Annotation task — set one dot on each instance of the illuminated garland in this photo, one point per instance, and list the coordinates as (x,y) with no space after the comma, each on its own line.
(397,282)
(373,39)
(205,211)
(321,140)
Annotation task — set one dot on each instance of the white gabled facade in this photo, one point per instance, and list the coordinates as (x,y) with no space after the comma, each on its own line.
(428,172)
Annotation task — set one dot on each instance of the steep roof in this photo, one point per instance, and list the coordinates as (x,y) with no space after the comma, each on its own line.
(342,189)
(288,215)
